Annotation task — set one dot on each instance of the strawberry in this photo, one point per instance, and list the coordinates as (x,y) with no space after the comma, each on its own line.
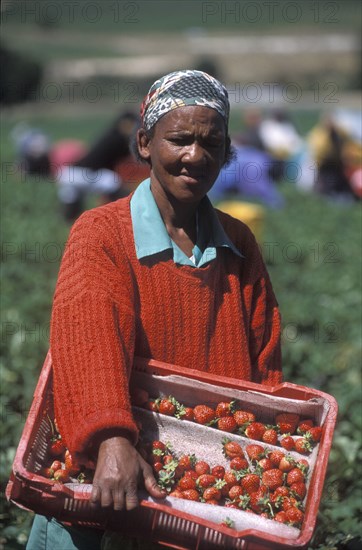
(295,476)
(287,463)
(264,464)
(226,424)
(303,465)
(231,449)
(287,422)
(167,406)
(204,415)
(166,459)
(223,409)
(158,445)
(281,517)
(259,502)
(276,457)
(152,405)
(255,452)
(192,474)
(176,493)
(250,483)
(211,493)
(157,467)
(186,482)
(281,491)
(62,476)
(218,471)
(255,430)
(191,494)
(156,456)
(187,462)
(185,413)
(314,434)
(270,436)
(289,502)
(239,463)
(302,445)
(47,472)
(202,467)
(56,465)
(304,426)
(235,492)
(287,442)
(57,447)
(71,465)
(171,465)
(205,481)
(298,490)
(272,478)
(294,516)
(243,417)
(276,500)
(230,479)
(212,501)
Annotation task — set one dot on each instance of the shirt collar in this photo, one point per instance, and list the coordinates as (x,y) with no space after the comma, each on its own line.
(151,237)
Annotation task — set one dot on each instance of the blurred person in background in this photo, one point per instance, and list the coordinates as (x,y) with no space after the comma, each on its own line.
(107,169)
(336,148)
(33,147)
(250,136)
(248,177)
(281,140)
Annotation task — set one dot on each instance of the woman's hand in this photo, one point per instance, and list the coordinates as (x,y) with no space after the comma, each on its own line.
(119,469)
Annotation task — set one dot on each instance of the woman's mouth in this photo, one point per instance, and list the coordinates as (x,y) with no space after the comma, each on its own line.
(193,179)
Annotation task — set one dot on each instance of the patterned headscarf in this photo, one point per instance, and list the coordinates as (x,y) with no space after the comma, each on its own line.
(181,89)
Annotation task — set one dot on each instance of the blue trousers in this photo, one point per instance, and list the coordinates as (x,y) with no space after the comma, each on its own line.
(48,534)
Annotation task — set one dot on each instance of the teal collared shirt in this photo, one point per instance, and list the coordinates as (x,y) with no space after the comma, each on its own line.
(151,237)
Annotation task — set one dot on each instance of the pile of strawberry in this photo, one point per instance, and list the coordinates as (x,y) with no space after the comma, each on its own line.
(271,484)
(62,466)
(229,416)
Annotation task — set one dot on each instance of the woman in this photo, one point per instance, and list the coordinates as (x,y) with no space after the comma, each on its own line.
(159,274)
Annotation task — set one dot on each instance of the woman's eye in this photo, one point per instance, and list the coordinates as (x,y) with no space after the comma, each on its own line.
(184,141)
(213,143)
(180,140)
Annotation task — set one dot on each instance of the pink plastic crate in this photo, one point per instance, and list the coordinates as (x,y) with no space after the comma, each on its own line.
(158,521)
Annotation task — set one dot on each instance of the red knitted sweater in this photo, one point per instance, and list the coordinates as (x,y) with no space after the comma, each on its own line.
(109,306)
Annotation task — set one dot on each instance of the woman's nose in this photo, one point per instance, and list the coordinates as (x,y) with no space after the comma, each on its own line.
(194,153)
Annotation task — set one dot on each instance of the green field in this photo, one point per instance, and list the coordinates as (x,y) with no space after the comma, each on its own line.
(56,30)
(173,15)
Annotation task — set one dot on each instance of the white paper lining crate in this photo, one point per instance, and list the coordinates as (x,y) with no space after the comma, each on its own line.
(175,522)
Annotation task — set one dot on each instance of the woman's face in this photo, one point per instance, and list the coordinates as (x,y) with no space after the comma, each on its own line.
(186,152)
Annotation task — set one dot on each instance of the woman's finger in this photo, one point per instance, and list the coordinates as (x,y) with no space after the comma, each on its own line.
(95,495)
(131,496)
(118,499)
(150,481)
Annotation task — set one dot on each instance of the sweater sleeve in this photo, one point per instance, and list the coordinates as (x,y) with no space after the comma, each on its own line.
(92,335)
(265,324)
(263,316)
